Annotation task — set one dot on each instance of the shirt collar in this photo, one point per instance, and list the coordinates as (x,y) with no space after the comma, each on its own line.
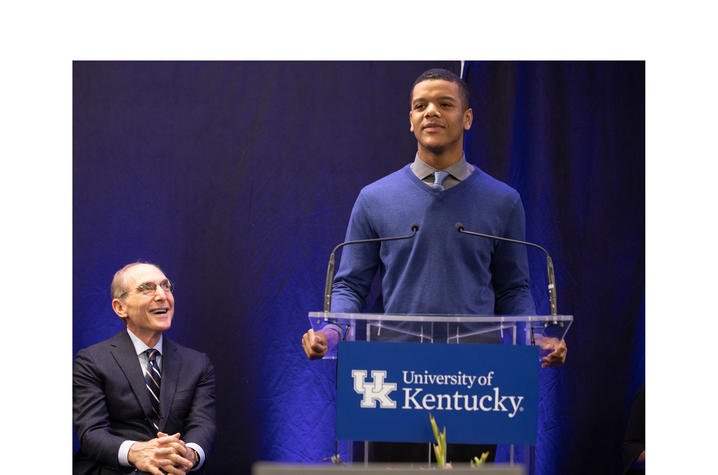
(459,170)
(140,346)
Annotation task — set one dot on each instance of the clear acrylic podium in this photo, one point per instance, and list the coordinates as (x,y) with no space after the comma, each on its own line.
(452,329)
(459,329)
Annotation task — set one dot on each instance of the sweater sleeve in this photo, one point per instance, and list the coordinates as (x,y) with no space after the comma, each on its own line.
(510,270)
(359,262)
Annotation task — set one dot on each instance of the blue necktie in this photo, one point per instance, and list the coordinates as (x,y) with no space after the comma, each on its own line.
(439,178)
(153,379)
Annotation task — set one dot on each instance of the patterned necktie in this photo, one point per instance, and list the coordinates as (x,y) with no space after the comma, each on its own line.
(439,178)
(152,381)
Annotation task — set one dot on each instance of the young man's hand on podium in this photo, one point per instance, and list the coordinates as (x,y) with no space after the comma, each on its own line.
(558,351)
(316,343)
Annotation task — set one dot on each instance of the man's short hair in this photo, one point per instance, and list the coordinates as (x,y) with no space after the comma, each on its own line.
(446,75)
(119,281)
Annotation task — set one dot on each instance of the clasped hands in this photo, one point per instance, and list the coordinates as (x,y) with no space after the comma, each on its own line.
(165,454)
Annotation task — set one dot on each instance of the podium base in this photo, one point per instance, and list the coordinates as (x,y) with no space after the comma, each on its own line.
(271,468)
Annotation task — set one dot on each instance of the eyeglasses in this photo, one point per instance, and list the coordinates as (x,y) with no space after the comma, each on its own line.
(149,288)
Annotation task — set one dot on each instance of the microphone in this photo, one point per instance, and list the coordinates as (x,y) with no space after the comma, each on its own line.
(549,262)
(330,267)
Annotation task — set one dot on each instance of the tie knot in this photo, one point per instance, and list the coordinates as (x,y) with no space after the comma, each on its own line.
(439,177)
(152,354)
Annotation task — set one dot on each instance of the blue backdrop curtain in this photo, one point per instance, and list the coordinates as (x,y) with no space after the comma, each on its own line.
(238,178)
(570,137)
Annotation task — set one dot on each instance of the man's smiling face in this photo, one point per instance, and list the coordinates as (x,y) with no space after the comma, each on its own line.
(438,116)
(146,312)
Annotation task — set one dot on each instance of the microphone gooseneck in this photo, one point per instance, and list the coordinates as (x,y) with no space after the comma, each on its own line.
(330,267)
(549,262)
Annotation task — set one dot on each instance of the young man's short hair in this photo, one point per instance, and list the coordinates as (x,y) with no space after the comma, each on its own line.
(446,75)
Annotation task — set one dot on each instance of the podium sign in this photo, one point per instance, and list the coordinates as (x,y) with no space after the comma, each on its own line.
(483,394)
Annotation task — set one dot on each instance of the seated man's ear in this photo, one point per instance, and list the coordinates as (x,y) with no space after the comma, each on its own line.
(119,308)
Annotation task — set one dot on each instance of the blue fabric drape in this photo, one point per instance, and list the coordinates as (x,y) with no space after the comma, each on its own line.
(238,178)
(569,136)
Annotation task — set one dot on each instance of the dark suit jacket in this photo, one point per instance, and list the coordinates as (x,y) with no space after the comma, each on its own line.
(634,441)
(111,403)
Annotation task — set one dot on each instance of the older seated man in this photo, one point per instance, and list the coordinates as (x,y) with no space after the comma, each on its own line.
(141,402)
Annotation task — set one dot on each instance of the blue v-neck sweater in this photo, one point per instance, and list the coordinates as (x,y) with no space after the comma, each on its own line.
(440,271)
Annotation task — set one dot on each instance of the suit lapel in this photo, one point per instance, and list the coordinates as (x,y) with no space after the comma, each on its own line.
(123,352)
(171,367)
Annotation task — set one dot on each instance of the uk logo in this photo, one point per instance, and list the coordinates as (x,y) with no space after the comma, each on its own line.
(377,390)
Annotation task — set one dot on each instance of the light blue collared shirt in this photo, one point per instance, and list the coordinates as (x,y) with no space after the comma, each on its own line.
(140,349)
(458,172)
